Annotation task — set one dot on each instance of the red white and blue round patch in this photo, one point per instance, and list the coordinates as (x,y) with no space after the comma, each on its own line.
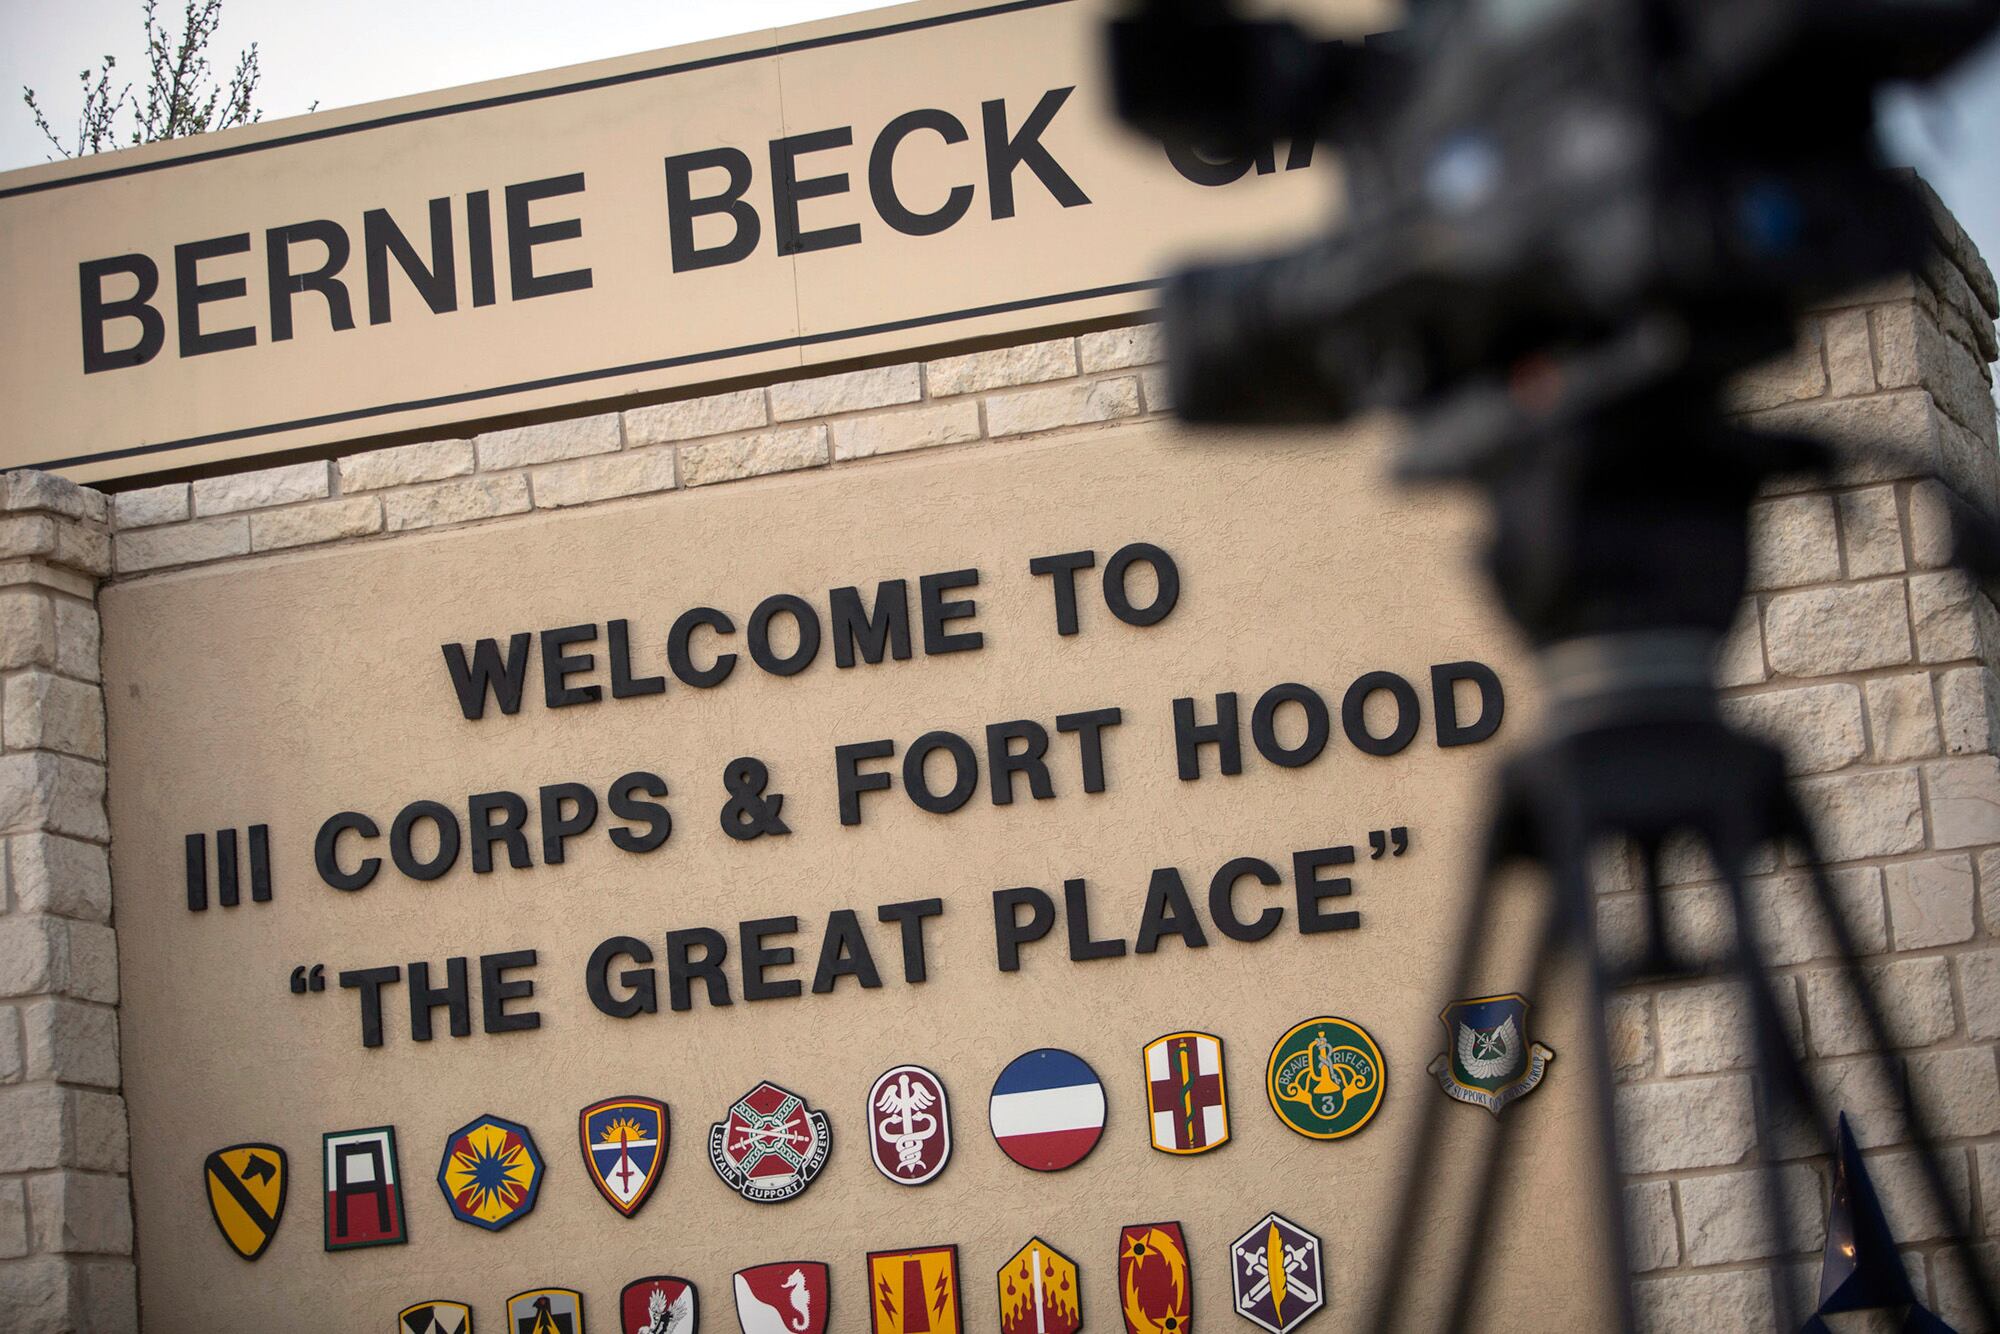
(1047,1109)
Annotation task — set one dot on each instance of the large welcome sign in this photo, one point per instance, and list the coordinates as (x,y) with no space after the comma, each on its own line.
(889,181)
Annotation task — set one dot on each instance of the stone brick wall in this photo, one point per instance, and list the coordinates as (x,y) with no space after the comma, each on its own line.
(65,1203)
(1874,664)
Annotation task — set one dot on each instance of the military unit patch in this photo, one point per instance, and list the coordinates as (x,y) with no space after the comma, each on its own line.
(658,1305)
(490,1174)
(624,1148)
(545,1311)
(435,1318)
(246,1185)
(1155,1291)
(771,1146)
(1276,1276)
(914,1291)
(1325,1078)
(789,1297)
(1186,1104)
(1040,1292)
(1488,1060)
(909,1125)
(364,1189)
(1047,1109)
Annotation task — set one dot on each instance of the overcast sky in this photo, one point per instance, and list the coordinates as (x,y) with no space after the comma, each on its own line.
(340,52)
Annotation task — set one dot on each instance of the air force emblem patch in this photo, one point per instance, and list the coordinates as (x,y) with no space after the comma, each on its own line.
(1185,1099)
(246,1186)
(624,1148)
(1275,1274)
(1488,1060)
(435,1318)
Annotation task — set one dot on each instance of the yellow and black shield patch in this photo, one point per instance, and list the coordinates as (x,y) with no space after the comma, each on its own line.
(246,1193)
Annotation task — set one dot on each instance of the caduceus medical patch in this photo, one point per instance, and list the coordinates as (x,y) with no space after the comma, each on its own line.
(909,1125)
(1488,1060)
(771,1146)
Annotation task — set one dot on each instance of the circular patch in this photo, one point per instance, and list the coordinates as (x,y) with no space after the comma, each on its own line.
(1047,1109)
(1326,1077)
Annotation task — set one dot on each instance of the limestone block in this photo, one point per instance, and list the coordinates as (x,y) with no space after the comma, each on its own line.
(27,628)
(1879,438)
(57,540)
(1986,1157)
(1061,405)
(692,418)
(1871,532)
(1684,1123)
(1979,987)
(1628,1023)
(546,442)
(154,505)
(1965,801)
(79,638)
(603,477)
(35,1139)
(1951,1299)
(1158,395)
(1968,698)
(1913,996)
(13,1218)
(1725,1220)
(1709,1028)
(58,875)
(1959,1090)
(1930,525)
(1118,349)
(1791,378)
(182,544)
(1793,541)
(1651,1234)
(1989,891)
(1740,660)
(1860,1086)
(1930,901)
(34,1293)
(303,525)
(1864,815)
(1818,727)
(267,486)
(43,790)
(1944,613)
(1850,361)
(1025,363)
(734,457)
(42,955)
(28,489)
(1728,1302)
(460,500)
(1902,718)
(70,1042)
(106,1293)
(1907,1198)
(49,712)
(852,391)
(912,428)
(406,465)
(80,1212)
(97,1137)
(1849,628)
(1793,928)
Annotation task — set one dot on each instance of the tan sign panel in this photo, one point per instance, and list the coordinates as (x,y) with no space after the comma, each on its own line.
(897,179)
(905,917)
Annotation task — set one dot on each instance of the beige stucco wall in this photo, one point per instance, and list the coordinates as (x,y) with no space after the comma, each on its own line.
(270,654)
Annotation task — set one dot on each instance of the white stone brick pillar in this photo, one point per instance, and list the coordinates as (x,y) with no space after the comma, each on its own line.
(65,1201)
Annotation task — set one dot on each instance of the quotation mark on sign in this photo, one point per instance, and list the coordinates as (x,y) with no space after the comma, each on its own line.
(304,980)
(1395,842)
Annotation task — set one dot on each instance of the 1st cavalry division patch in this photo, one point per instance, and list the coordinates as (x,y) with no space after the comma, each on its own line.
(435,1318)
(1039,1292)
(658,1305)
(1275,1275)
(771,1146)
(1488,1060)
(364,1189)
(624,1148)
(914,1291)
(1326,1078)
(491,1173)
(1186,1104)
(545,1311)
(1155,1291)
(789,1297)
(246,1186)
